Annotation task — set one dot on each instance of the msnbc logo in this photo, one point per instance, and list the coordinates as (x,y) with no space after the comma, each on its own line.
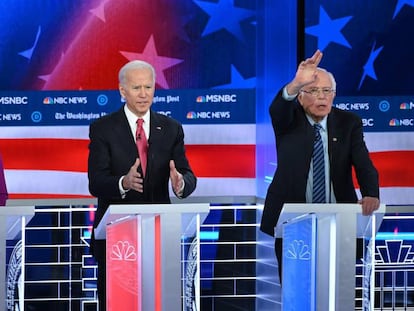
(217,98)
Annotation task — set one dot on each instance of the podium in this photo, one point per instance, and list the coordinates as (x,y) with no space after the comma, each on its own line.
(319,255)
(144,252)
(13,220)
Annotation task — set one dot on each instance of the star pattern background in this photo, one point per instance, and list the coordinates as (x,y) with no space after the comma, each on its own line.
(80,45)
(367,44)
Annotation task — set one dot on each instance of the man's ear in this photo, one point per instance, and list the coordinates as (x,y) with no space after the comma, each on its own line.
(299,98)
(121,90)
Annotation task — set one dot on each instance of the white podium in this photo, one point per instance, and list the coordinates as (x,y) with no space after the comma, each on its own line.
(144,253)
(13,220)
(322,238)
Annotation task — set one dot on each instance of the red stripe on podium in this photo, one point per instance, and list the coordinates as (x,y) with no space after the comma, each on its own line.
(158,284)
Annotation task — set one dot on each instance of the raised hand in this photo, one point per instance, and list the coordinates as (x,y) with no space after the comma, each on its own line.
(306,73)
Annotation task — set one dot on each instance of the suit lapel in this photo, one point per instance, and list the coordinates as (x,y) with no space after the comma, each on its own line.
(334,137)
(124,133)
(154,140)
(156,128)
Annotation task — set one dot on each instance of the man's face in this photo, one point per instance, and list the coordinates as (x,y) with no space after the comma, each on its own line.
(317,98)
(138,90)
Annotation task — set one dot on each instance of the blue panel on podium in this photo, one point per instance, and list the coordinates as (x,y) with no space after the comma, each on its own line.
(299,262)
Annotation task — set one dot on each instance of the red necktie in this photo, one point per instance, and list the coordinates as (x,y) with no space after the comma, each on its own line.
(142,145)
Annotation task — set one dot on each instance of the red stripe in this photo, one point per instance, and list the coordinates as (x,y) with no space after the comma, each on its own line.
(223,160)
(45,154)
(72,155)
(47,196)
(395,168)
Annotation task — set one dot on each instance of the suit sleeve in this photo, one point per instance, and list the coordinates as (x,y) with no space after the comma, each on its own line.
(182,164)
(366,173)
(282,112)
(102,183)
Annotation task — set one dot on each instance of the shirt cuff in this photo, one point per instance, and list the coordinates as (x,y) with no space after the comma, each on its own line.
(122,191)
(286,96)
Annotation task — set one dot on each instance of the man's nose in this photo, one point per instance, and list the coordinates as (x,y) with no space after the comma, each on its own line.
(141,92)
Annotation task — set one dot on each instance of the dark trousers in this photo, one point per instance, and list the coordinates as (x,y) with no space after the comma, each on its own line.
(99,253)
(279,255)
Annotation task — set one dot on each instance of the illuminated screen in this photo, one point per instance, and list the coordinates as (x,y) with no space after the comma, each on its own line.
(59,71)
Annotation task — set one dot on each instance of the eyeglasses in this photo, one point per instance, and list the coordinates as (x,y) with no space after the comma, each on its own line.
(316,91)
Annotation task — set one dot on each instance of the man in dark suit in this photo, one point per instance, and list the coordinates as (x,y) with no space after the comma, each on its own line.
(116,174)
(307,100)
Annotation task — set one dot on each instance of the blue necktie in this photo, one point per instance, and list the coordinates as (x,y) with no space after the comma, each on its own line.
(318,167)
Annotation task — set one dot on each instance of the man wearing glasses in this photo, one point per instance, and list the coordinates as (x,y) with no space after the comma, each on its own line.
(302,115)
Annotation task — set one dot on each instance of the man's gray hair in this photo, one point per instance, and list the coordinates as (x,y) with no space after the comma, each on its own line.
(331,76)
(135,64)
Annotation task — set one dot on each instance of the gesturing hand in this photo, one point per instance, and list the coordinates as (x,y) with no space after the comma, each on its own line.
(133,180)
(177,180)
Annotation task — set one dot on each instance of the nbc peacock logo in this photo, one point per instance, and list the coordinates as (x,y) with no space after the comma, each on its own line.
(407,106)
(394,122)
(404,106)
(191,115)
(48,101)
(201,99)
(402,122)
(123,250)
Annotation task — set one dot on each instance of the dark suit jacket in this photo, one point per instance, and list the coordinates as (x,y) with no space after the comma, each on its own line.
(294,144)
(112,152)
